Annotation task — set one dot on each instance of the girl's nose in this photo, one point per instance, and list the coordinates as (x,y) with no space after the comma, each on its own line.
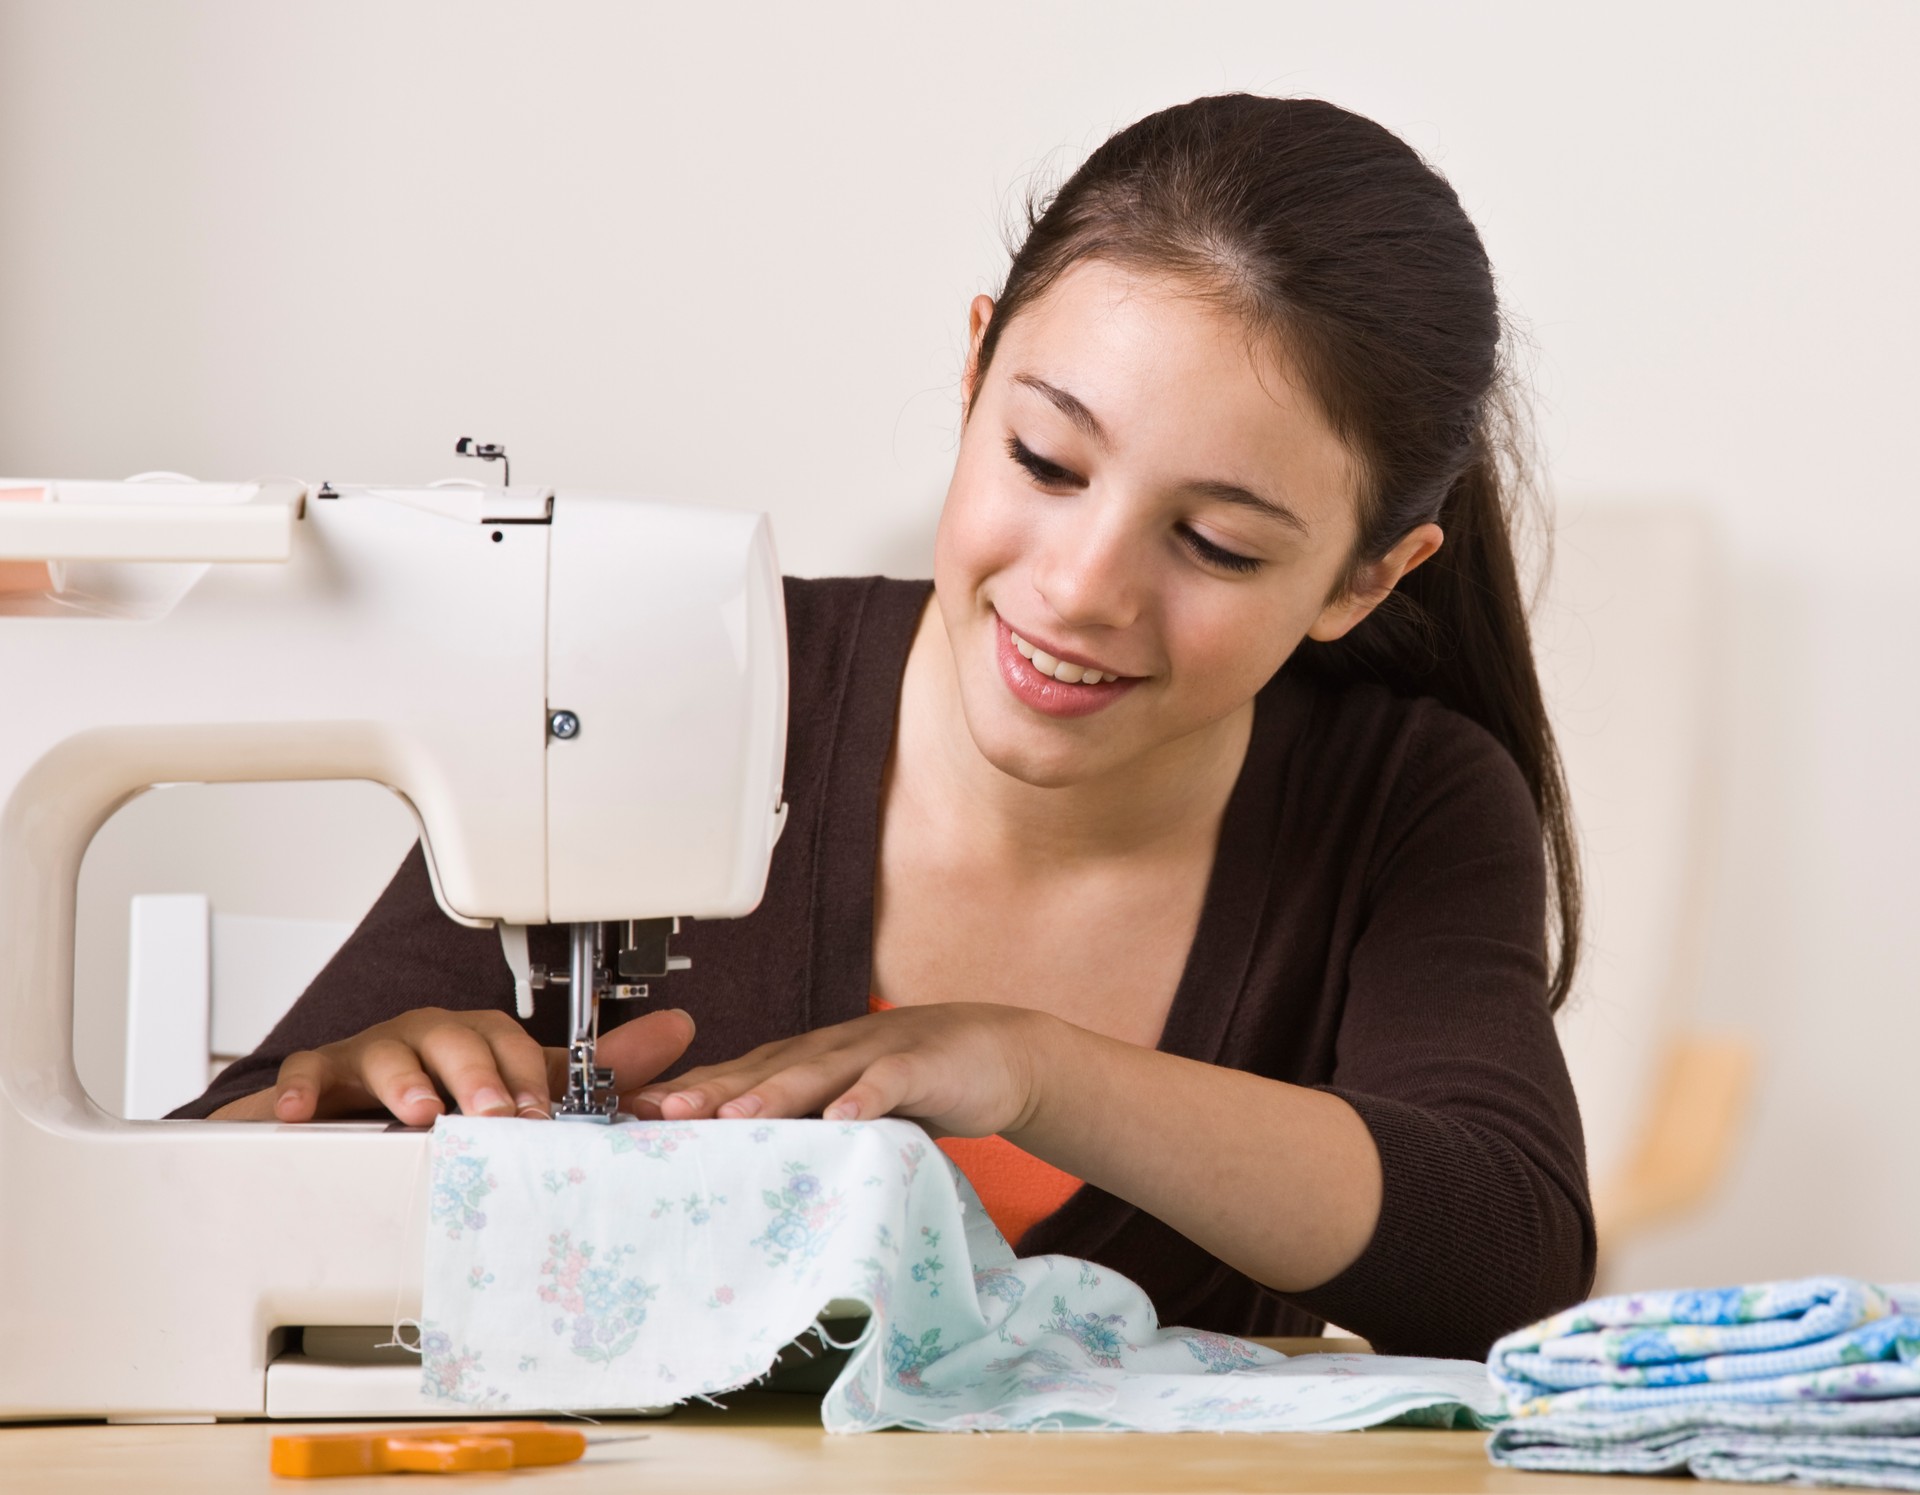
(1090,569)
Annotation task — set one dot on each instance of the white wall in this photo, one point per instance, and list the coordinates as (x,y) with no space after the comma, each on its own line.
(725,253)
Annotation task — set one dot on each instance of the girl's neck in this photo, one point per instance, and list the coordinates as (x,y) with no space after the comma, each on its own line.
(1165,802)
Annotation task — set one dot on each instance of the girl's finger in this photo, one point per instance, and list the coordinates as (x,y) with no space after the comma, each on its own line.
(303,1079)
(890,1084)
(688,1079)
(716,1077)
(523,1065)
(719,1083)
(463,1062)
(639,1050)
(701,1092)
(766,1059)
(702,1100)
(796,1090)
(390,1073)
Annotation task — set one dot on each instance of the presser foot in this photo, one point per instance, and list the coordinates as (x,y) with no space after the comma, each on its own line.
(590,1094)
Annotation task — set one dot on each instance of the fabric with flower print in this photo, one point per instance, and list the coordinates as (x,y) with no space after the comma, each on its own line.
(1816,1381)
(460,1186)
(641,1264)
(805,1216)
(601,1309)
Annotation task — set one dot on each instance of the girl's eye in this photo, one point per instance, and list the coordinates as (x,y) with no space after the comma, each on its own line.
(1213,555)
(1050,474)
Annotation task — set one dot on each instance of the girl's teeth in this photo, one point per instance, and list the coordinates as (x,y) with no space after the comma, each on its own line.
(1067,674)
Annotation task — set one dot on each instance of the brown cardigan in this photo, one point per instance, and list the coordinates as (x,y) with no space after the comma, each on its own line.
(1373,927)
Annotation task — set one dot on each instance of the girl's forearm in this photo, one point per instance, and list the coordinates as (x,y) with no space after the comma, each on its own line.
(1280,1182)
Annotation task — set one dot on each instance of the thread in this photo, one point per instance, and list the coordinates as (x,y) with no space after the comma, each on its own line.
(408,1240)
(820,1328)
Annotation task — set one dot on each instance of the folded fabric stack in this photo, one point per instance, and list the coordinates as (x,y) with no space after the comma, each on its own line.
(1810,1382)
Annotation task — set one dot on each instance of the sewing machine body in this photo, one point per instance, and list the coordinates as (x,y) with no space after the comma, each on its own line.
(421,638)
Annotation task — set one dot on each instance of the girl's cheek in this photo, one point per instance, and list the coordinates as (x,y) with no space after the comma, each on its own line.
(983,532)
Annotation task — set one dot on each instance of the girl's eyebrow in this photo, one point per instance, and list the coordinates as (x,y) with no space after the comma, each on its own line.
(1071,406)
(1075,410)
(1233,493)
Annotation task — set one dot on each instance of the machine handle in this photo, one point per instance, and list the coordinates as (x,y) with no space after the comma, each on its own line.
(257,531)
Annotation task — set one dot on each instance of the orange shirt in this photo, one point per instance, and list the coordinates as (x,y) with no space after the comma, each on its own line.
(1018,1189)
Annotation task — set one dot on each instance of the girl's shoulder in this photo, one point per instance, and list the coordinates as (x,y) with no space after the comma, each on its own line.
(1386,766)
(847,643)
(1363,720)
(831,618)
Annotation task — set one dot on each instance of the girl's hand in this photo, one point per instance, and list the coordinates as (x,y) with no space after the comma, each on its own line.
(484,1061)
(963,1068)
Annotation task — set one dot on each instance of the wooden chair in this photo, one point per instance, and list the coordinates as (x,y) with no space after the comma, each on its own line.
(1625,635)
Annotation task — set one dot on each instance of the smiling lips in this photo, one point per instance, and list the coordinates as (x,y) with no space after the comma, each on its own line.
(1061,669)
(1055,686)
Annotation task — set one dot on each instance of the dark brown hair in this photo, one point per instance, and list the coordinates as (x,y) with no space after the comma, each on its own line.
(1328,233)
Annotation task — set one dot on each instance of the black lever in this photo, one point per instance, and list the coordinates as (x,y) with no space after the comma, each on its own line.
(488,451)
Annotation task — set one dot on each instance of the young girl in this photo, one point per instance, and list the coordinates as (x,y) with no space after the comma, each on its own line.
(1184,855)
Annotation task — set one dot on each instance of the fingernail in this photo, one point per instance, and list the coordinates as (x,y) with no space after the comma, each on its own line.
(285,1099)
(653,1097)
(487,1100)
(687,1015)
(418,1094)
(845,1110)
(746,1105)
(532,1105)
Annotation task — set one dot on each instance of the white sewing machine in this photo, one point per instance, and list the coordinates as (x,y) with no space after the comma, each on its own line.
(583,699)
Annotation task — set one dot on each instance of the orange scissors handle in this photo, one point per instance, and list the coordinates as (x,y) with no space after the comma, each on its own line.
(444,1450)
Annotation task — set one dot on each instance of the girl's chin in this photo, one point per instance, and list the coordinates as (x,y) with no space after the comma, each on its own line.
(1039,771)
(1037,751)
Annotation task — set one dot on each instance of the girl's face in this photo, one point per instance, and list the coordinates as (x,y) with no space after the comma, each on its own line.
(1145,492)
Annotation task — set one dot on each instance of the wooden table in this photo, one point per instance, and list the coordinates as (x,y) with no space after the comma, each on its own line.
(769,1443)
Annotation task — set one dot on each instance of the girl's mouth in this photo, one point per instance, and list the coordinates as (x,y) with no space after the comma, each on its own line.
(1049,684)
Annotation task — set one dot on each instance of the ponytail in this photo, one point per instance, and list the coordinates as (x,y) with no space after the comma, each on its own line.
(1455,629)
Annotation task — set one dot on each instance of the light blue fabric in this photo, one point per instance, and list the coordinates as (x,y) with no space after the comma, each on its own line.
(1815,1381)
(574,1267)
(1872,1444)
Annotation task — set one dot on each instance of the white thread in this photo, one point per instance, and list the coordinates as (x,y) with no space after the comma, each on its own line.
(820,1328)
(394,1340)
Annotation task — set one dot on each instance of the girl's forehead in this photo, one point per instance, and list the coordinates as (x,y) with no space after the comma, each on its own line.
(1165,368)
(1103,298)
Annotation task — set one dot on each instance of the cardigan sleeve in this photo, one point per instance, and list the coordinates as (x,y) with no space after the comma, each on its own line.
(1447,1050)
(405,954)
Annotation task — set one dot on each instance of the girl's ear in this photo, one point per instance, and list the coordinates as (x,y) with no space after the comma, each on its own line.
(1374,581)
(979,313)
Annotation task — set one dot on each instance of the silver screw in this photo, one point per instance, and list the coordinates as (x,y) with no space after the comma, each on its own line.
(564,724)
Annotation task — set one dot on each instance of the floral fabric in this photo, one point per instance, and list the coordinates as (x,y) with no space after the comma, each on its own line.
(575,1267)
(1815,1381)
